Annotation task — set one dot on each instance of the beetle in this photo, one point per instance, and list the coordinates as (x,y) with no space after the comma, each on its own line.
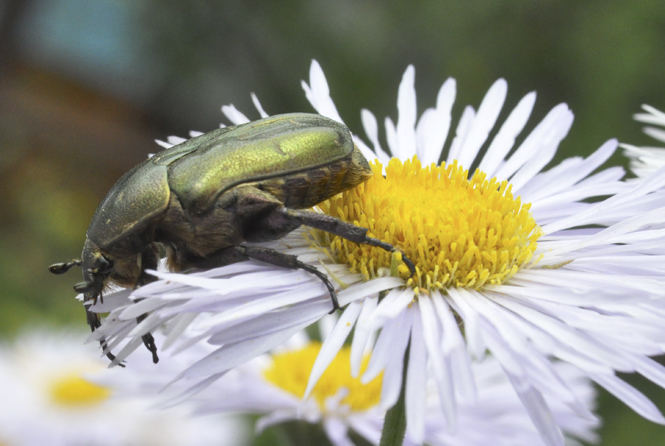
(200,200)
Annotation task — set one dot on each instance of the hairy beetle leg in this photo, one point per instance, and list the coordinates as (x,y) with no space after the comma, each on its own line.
(343,229)
(95,323)
(148,339)
(288,261)
(241,253)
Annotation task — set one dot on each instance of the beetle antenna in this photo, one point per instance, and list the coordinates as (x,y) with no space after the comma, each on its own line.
(61,268)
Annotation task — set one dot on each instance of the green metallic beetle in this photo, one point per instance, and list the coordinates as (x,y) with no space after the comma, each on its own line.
(200,200)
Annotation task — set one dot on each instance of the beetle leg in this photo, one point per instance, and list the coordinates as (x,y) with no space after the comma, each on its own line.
(343,229)
(148,339)
(95,323)
(90,294)
(149,260)
(288,261)
(240,253)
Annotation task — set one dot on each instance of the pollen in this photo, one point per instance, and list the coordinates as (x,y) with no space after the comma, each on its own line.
(459,232)
(290,371)
(71,390)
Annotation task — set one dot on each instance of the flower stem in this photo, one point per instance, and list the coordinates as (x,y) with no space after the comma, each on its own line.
(394,425)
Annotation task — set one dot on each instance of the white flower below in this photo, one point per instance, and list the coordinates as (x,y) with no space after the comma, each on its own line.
(272,385)
(551,276)
(48,399)
(646,160)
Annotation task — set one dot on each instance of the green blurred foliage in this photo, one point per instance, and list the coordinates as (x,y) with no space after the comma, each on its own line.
(64,141)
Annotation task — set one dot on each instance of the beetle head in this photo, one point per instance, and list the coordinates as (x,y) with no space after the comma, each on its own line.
(96,269)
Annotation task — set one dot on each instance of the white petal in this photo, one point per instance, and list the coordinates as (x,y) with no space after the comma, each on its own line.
(545,132)
(505,139)
(319,93)
(259,108)
(440,364)
(532,399)
(538,412)
(641,188)
(391,306)
(232,355)
(653,116)
(474,338)
(566,334)
(439,125)
(372,131)
(149,324)
(367,427)
(571,174)
(361,335)
(274,418)
(406,115)
(655,133)
(142,307)
(391,138)
(370,288)
(175,140)
(394,368)
(454,347)
(164,144)
(531,168)
(234,115)
(461,133)
(650,369)
(181,322)
(332,344)
(269,323)
(126,350)
(382,352)
(112,301)
(629,395)
(416,379)
(191,391)
(337,432)
(488,112)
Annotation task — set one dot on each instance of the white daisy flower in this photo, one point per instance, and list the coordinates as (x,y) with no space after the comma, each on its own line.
(272,386)
(47,399)
(646,160)
(516,261)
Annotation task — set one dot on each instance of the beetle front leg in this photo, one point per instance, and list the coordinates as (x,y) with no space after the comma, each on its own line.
(149,260)
(343,229)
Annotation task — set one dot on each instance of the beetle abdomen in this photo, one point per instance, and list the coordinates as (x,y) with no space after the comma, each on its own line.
(306,189)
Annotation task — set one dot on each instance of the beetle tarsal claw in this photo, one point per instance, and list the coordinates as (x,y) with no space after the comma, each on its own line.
(409,264)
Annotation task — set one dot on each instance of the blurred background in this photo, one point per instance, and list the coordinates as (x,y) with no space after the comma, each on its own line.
(87,85)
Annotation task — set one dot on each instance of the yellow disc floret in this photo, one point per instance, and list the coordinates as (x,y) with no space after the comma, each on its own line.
(290,371)
(459,232)
(72,390)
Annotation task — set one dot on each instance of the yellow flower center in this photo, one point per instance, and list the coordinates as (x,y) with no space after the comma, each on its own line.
(459,232)
(71,390)
(290,371)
